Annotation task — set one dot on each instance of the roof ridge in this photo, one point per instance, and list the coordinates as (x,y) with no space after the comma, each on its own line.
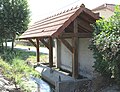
(105,5)
(67,10)
(82,5)
(54,26)
(110,4)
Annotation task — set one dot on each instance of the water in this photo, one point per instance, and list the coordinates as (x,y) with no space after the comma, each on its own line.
(42,85)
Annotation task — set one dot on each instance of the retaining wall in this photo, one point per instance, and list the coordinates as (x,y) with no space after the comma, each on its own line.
(81,85)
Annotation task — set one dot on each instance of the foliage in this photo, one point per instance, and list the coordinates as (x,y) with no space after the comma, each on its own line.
(17,69)
(8,55)
(14,19)
(106,46)
(29,86)
(43,59)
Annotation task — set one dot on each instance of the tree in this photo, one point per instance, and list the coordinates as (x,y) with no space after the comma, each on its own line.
(14,19)
(106,46)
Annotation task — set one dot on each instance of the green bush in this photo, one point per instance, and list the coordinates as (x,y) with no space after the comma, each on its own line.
(15,69)
(106,46)
(8,55)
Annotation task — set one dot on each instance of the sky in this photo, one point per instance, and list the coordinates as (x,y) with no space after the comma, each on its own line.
(43,8)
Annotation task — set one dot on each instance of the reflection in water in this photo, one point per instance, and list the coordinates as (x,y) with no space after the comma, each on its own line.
(42,85)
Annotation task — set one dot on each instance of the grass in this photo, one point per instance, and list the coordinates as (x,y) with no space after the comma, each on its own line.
(27,56)
(13,66)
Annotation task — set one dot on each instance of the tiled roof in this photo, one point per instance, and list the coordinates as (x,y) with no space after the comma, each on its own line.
(54,25)
(110,7)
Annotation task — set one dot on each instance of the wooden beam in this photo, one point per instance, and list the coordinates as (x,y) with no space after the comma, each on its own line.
(58,53)
(75,58)
(80,35)
(66,44)
(50,52)
(85,25)
(93,15)
(75,52)
(67,35)
(37,53)
(84,35)
(34,44)
(86,18)
(45,43)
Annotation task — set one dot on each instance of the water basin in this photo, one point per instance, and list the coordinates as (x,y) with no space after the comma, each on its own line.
(43,86)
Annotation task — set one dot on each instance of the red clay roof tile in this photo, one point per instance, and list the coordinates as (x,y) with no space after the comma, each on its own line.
(54,25)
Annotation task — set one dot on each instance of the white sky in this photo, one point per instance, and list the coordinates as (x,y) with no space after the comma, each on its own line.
(44,8)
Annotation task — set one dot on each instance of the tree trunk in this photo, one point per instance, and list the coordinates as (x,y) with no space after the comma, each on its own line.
(13,41)
(5,43)
(12,45)
(2,45)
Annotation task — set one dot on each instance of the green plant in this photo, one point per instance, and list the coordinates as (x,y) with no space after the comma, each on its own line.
(14,67)
(32,59)
(28,86)
(17,71)
(7,55)
(14,20)
(106,46)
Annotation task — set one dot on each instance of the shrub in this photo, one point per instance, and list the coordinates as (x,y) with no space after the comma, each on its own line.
(106,46)
(15,69)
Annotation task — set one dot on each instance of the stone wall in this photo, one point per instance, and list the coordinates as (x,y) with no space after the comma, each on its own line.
(81,85)
(85,57)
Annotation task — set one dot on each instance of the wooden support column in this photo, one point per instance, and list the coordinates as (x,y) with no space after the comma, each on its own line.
(75,52)
(37,53)
(50,52)
(58,52)
(33,42)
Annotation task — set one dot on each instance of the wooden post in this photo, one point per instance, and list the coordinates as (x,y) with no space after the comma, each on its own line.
(75,52)
(58,52)
(37,53)
(50,52)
